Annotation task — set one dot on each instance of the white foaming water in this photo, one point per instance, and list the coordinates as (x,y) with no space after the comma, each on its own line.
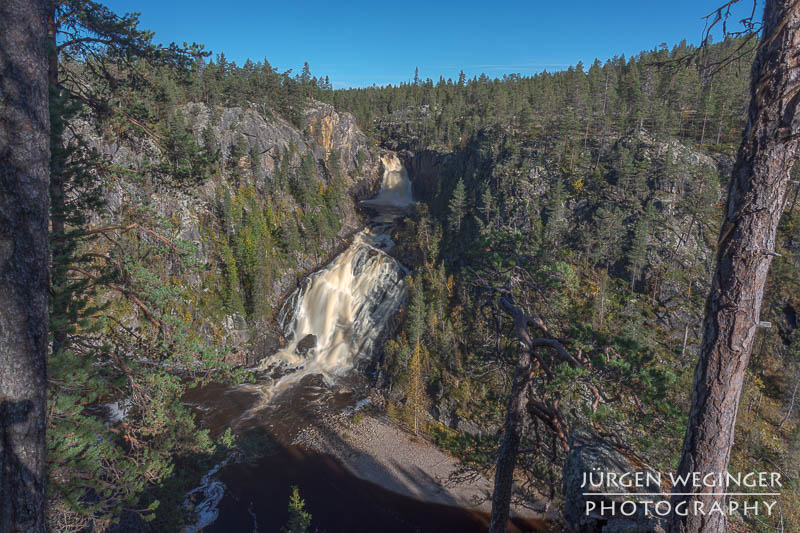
(396,187)
(206,511)
(344,308)
(334,319)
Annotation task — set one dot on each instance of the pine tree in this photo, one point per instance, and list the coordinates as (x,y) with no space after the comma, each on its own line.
(555,211)
(458,204)
(255,162)
(240,149)
(607,225)
(759,183)
(210,142)
(24,177)
(637,254)
(299,519)
(416,397)
(103,63)
(416,312)
(487,205)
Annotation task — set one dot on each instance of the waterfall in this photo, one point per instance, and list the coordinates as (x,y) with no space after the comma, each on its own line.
(334,319)
(338,314)
(396,187)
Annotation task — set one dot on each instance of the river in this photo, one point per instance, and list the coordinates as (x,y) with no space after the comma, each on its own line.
(333,322)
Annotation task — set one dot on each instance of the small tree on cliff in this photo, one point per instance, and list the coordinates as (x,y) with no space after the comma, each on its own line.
(458,205)
(416,398)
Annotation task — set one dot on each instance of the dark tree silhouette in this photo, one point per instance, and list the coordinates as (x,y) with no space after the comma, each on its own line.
(24,162)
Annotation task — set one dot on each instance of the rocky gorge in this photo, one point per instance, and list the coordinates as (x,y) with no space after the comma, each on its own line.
(193,214)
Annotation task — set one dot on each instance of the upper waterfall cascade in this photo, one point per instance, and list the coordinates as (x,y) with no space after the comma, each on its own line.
(334,319)
(396,187)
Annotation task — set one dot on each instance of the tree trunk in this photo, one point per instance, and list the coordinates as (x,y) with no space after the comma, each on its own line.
(791,406)
(507,455)
(58,211)
(703,133)
(721,121)
(757,196)
(24,162)
(685,340)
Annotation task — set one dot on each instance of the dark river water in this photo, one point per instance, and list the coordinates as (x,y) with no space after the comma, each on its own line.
(257,491)
(338,502)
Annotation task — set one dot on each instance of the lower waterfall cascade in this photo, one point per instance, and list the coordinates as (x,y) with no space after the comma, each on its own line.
(337,315)
(334,319)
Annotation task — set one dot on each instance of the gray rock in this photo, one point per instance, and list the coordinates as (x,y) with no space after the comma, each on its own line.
(307,343)
(445,413)
(470,427)
(591,454)
(616,525)
(191,211)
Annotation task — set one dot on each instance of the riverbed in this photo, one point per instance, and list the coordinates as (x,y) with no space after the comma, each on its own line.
(296,423)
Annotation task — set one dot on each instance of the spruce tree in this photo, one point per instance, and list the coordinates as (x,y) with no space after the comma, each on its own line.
(458,205)
(299,519)
(416,397)
(637,254)
(487,205)
(555,211)
(416,312)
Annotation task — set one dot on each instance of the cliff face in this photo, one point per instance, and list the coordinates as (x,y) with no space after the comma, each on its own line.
(682,184)
(259,156)
(600,213)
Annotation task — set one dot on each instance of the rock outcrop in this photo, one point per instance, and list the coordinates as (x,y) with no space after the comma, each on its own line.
(584,510)
(192,213)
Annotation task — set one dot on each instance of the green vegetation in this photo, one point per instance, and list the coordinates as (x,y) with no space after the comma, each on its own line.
(593,198)
(299,519)
(142,309)
(669,92)
(590,196)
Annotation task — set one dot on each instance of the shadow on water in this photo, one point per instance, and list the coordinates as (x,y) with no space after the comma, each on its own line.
(257,492)
(257,489)
(258,495)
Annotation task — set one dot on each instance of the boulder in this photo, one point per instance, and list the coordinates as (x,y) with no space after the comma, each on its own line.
(591,454)
(306,344)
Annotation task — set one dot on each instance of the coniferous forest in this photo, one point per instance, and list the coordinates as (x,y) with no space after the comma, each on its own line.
(556,274)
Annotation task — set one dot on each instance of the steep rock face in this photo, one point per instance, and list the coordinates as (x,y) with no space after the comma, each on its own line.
(425,170)
(327,132)
(338,132)
(684,185)
(192,213)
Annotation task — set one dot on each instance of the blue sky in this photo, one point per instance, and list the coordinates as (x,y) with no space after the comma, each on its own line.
(365,42)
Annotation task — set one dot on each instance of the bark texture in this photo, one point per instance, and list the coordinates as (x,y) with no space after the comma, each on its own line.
(521,400)
(757,196)
(24,161)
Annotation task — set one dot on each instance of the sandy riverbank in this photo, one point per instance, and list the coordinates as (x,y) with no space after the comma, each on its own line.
(375,450)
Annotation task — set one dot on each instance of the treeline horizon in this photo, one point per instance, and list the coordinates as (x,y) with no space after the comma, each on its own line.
(693,93)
